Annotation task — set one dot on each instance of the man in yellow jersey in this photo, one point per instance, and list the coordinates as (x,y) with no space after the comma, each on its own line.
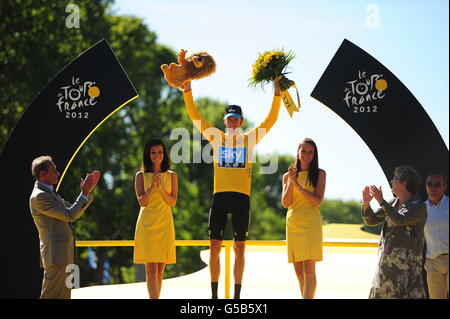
(233,152)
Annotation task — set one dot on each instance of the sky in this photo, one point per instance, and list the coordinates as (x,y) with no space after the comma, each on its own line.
(410,38)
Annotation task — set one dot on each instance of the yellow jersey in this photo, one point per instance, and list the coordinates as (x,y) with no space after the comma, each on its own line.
(233,153)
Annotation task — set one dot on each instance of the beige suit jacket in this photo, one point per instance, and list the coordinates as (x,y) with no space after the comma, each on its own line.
(52,216)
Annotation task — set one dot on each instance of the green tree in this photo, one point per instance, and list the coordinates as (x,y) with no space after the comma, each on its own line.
(338,211)
(347,212)
(35,43)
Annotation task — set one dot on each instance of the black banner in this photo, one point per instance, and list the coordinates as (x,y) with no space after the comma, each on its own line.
(382,111)
(58,122)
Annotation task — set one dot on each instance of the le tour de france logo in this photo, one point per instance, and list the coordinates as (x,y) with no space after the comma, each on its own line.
(76,100)
(363,94)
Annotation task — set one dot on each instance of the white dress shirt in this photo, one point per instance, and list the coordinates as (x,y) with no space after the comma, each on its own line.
(436,228)
(47,186)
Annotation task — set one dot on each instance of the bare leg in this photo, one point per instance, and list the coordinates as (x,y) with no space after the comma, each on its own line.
(161,267)
(214,265)
(151,270)
(239,261)
(298,267)
(309,289)
(214,259)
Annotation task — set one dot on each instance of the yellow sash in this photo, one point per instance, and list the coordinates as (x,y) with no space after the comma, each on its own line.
(289,103)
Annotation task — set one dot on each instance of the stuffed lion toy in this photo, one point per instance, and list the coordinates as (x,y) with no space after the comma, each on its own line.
(197,65)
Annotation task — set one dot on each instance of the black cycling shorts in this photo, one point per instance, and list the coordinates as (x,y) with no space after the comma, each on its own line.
(238,205)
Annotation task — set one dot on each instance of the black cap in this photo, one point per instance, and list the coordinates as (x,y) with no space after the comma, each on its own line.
(233,110)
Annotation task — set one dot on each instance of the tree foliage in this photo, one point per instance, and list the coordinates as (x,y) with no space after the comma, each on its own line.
(35,43)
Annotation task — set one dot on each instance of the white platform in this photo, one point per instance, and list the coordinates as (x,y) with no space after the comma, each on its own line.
(345,273)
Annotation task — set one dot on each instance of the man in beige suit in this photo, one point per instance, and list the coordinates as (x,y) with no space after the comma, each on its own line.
(52,216)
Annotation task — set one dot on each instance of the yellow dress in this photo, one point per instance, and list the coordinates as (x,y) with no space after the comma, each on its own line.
(154,239)
(303,226)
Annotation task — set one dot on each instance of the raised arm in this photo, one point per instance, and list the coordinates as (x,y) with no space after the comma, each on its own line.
(409,215)
(264,127)
(208,131)
(46,204)
(414,211)
(370,217)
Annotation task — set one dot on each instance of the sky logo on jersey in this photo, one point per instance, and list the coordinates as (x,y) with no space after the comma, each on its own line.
(232,157)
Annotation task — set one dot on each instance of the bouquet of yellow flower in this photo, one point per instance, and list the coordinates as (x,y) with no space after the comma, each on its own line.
(269,65)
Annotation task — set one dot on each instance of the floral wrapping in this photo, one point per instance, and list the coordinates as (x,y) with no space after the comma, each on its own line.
(269,65)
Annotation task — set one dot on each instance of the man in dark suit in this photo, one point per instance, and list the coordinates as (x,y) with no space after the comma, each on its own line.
(52,216)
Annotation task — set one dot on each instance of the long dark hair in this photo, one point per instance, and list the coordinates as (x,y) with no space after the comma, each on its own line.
(147,165)
(313,174)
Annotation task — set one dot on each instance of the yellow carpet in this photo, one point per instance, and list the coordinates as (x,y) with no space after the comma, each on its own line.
(349,231)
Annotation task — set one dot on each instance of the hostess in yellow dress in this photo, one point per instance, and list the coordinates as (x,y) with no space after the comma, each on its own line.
(154,239)
(303,226)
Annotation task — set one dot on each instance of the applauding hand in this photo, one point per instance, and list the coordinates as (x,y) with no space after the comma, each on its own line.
(88,184)
(366,195)
(292,172)
(377,193)
(156,180)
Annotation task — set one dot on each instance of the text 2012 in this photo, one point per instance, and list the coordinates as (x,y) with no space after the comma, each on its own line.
(77,115)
